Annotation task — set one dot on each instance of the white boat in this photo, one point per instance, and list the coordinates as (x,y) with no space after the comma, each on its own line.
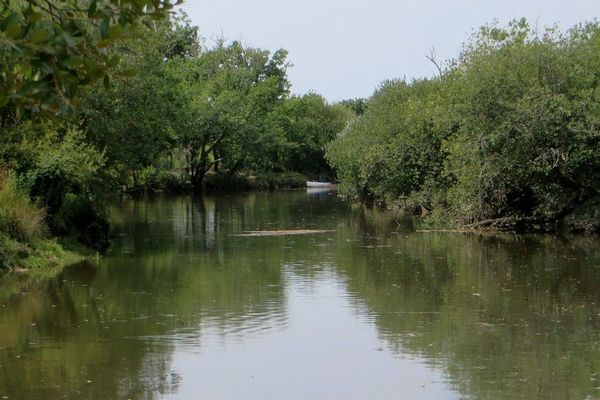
(314,184)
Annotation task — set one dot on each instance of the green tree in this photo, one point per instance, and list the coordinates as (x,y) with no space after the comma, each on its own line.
(133,120)
(307,124)
(394,150)
(527,143)
(226,92)
(50,49)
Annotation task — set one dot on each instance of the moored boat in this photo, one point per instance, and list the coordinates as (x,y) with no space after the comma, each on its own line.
(315,184)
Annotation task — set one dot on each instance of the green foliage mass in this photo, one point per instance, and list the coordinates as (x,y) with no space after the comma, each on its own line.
(225,93)
(50,53)
(403,126)
(50,49)
(509,131)
(100,96)
(306,124)
(23,241)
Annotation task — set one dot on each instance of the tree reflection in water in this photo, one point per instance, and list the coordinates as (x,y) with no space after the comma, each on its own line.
(502,316)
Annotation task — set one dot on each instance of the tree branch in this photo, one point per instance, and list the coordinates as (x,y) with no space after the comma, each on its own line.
(432,57)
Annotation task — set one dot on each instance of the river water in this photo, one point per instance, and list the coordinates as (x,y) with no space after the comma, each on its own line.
(183,307)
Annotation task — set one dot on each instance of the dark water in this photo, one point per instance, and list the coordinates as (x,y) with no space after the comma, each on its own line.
(181,308)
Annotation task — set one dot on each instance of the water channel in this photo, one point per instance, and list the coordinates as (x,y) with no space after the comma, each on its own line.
(184,307)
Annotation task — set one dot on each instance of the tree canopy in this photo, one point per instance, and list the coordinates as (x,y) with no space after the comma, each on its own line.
(508,132)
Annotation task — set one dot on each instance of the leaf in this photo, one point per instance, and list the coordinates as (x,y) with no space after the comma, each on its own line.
(113,61)
(39,36)
(70,40)
(92,9)
(12,25)
(104,28)
(115,32)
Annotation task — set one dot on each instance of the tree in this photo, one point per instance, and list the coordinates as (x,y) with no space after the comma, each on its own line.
(133,120)
(394,150)
(307,124)
(527,144)
(50,48)
(226,92)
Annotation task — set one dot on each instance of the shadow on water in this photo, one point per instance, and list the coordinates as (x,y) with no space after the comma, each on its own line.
(500,316)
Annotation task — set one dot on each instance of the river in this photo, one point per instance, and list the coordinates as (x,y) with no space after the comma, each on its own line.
(184,307)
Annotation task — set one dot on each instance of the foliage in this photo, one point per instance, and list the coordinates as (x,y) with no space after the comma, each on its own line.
(22,229)
(225,94)
(510,130)
(50,49)
(358,106)
(306,125)
(50,52)
(133,120)
(529,122)
(58,169)
(20,219)
(394,150)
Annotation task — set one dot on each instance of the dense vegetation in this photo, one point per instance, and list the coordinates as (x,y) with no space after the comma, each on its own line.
(100,97)
(508,136)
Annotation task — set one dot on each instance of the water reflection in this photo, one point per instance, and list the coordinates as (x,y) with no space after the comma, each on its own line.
(181,307)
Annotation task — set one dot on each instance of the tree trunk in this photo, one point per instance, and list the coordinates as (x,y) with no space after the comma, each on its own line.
(198,175)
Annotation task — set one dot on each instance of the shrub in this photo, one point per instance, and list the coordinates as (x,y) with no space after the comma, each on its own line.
(20,219)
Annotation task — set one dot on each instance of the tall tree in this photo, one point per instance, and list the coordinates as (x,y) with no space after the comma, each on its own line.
(226,92)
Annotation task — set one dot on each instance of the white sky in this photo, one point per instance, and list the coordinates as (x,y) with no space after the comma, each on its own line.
(345,48)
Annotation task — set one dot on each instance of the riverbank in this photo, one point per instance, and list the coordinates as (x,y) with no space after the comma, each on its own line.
(25,241)
(178,183)
(583,220)
(41,257)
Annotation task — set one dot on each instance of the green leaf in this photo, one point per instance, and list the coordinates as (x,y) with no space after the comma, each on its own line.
(12,25)
(104,28)
(115,32)
(92,9)
(113,61)
(39,36)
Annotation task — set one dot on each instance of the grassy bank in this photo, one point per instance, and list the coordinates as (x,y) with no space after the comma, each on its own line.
(24,241)
(39,257)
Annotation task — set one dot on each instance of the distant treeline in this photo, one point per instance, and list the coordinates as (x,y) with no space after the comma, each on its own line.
(506,137)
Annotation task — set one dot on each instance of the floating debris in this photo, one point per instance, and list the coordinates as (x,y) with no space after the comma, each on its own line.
(283,232)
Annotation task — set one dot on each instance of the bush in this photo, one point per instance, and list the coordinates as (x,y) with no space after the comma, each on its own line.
(262,181)
(20,219)
(509,131)
(65,177)
(282,180)
(527,144)
(82,219)
(226,182)
(395,149)
(22,229)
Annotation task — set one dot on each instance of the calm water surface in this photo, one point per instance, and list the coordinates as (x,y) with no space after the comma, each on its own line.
(182,308)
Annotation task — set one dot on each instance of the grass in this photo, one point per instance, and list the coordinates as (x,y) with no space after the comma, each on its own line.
(24,244)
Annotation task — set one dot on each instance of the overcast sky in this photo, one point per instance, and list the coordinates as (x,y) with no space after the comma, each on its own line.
(345,48)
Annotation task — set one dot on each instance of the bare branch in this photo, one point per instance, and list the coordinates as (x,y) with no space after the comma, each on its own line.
(432,57)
